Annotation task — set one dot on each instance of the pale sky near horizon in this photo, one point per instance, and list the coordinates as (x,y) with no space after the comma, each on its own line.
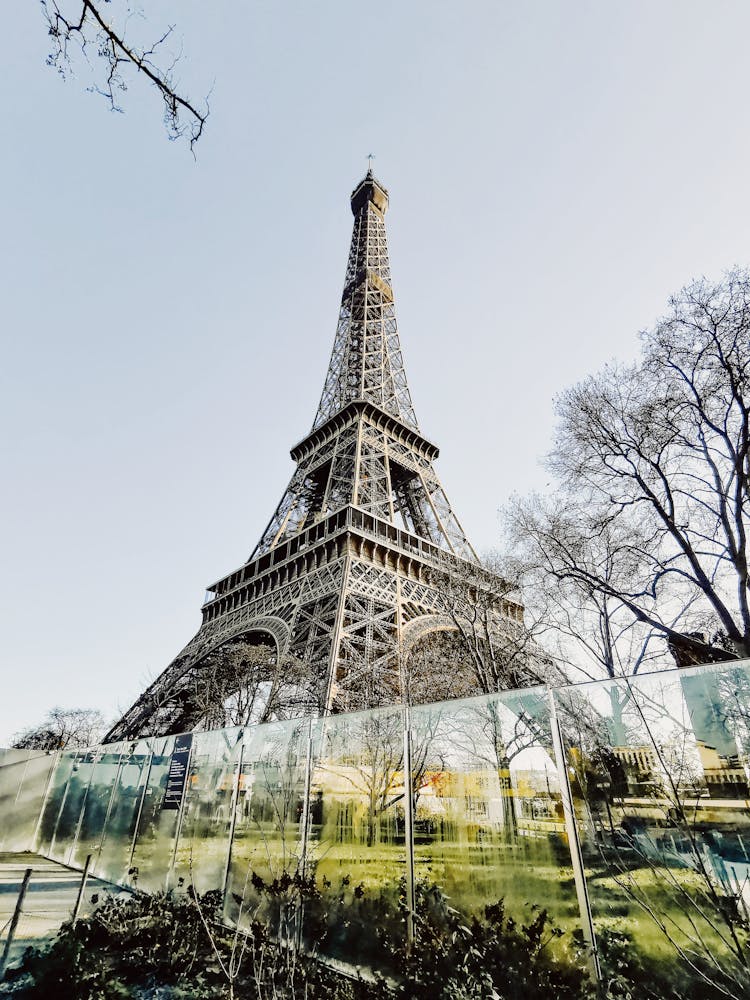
(556,171)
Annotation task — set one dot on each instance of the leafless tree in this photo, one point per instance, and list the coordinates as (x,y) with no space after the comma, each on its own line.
(243,683)
(81,26)
(588,632)
(485,645)
(652,462)
(439,667)
(63,728)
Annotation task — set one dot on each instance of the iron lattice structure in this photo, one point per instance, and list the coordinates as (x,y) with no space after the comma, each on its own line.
(364,554)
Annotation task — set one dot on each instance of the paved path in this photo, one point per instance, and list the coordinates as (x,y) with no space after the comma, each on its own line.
(49,901)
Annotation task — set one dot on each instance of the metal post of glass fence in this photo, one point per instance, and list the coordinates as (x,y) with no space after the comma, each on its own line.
(7,831)
(45,798)
(304,832)
(233,813)
(574,843)
(15,918)
(408,828)
(23,778)
(305,817)
(81,889)
(139,811)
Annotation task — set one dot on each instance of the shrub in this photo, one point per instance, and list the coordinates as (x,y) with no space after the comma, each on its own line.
(172,946)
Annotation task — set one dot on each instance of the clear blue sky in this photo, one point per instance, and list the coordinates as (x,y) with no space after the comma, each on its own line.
(556,170)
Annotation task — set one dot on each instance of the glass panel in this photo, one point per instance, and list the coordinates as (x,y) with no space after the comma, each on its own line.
(659,769)
(204,834)
(488,810)
(106,767)
(157,825)
(55,801)
(24,776)
(357,846)
(266,850)
(71,806)
(114,858)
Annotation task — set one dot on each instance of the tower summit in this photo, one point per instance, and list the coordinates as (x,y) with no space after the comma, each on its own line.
(366,361)
(363,557)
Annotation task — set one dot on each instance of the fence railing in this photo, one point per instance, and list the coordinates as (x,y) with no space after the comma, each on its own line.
(35,901)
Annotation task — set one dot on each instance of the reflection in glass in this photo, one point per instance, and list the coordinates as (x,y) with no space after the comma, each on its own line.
(157,827)
(96,805)
(70,806)
(488,820)
(660,782)
(54,802)
(114,857)
(201,858)
(24,778)
(267,845)
(357,836)
(659,768)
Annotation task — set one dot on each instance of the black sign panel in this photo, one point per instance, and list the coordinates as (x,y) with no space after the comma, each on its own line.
(178,768)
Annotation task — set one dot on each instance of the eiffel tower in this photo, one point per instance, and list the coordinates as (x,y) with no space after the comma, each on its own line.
(358,560)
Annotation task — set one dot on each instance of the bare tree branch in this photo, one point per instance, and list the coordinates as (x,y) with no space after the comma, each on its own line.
(90,30)
(652,461)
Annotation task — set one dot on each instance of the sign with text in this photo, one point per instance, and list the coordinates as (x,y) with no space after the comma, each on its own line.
(178,769)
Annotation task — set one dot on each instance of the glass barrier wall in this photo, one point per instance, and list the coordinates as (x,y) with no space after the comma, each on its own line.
(77,769)
(153,859)
(331,830)
(96,806)
(114,859)
(54,802)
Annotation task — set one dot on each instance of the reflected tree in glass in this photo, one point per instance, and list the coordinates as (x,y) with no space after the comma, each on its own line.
(665,828)
(488,816)
(356,845)
(118,843)
(266,864)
